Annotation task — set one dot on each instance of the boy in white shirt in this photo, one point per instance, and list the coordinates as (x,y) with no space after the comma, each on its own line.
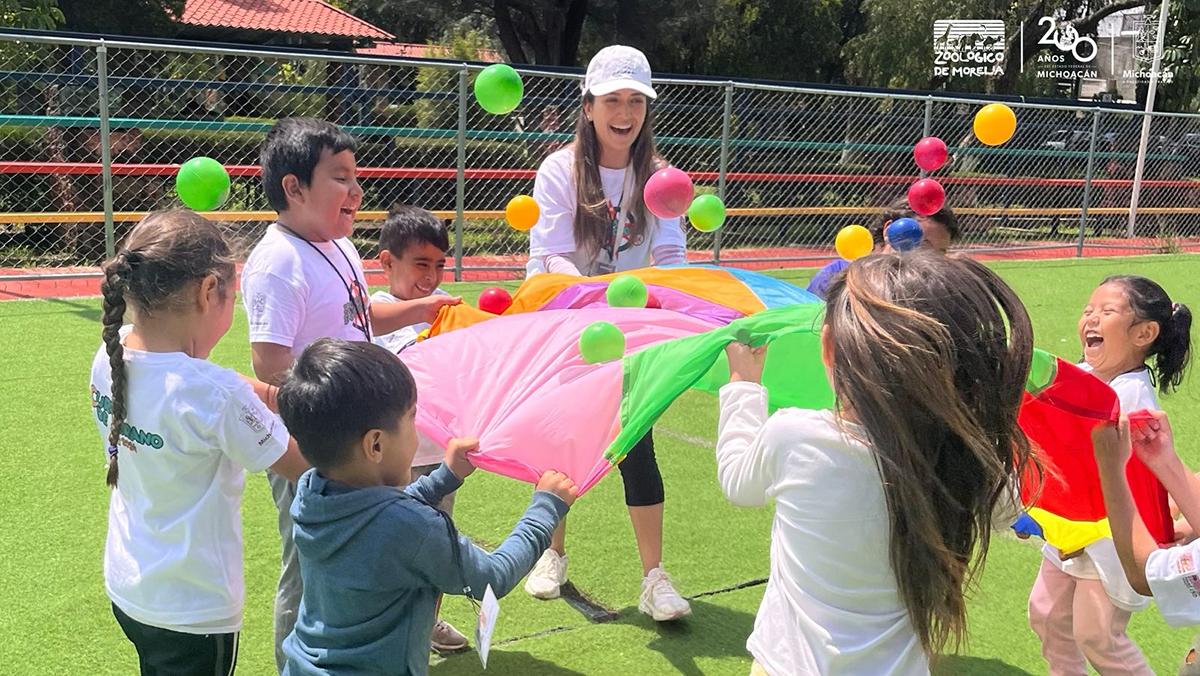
(304,280)
(412,252)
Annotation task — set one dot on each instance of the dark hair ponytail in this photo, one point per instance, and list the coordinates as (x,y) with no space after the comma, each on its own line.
(114,288)
(1173,347)
(164,252)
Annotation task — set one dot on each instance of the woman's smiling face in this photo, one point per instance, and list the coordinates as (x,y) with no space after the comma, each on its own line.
(618,118)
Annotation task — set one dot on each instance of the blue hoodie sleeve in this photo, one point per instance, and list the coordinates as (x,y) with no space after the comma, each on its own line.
(503,568)
(431,488)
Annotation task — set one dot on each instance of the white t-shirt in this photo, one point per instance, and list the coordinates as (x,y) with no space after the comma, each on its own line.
(832,604)
(1175,583)
(293,296)
(428,453)
(173,555)
(1099,560)
(554,191)
(403,337)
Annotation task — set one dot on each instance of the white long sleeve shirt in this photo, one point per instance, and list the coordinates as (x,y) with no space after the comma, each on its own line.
(832,605)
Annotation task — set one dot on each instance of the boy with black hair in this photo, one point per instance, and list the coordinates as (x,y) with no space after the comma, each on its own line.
(304,280)
(412,252)
(375,557)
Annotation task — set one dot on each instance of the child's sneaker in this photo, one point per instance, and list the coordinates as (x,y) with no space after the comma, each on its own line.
(447,639)
(659,598)
(548,575)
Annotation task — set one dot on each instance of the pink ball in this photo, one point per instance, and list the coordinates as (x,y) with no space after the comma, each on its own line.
(669,193)
(926,197)
(930,153)
(494,300)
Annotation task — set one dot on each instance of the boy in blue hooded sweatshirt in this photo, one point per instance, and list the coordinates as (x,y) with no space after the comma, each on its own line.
(374,557)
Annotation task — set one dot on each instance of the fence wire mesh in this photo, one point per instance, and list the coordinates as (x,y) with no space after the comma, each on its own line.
(792,164)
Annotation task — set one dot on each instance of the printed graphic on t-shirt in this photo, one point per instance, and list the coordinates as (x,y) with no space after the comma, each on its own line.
(606,261)
(250,418)
(258,306)
(354,312)
(131,436)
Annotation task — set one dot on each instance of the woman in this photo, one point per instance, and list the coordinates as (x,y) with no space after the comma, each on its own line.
(593,222)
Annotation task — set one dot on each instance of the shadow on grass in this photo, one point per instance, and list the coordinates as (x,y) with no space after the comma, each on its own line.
(710,631)
(952,665)
(500,661)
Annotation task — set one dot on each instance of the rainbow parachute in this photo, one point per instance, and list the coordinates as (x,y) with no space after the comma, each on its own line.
(519,384)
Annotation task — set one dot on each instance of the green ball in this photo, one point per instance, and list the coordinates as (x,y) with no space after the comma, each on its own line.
(627,291)
(498,89)
(202,184)
(1041,371)
(601,342)
(707,213)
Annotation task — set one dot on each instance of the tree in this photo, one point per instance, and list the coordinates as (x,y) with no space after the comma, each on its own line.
(544,32)
(417,21)
(122,17)
(36,14)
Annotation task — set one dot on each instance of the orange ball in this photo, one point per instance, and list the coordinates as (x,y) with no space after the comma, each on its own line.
(994,124)
(522,212)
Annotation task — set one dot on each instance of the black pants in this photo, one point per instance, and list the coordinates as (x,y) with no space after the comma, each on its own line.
(162,652)
(639,471)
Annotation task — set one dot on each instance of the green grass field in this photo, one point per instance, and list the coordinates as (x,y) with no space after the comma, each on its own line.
(55,618)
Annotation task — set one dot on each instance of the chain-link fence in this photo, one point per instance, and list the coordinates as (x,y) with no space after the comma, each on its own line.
(93,132)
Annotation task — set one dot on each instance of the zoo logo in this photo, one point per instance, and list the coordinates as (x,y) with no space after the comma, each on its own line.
(102,405)
(1062,34)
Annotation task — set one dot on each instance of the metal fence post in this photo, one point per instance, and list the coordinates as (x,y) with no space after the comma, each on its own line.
(460,187)
(927,127)
(105,149)
(1087,181)
(724,167)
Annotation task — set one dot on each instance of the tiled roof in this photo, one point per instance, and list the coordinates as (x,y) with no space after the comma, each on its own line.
(313,17)
(418,51)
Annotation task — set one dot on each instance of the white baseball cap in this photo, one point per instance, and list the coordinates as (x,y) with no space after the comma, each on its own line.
(618,67)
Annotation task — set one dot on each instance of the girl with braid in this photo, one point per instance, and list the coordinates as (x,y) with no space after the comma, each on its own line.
(180,432)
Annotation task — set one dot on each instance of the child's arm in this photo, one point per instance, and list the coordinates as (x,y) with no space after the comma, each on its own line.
(1133,541)
(389,317)
(269,394)
(1154,444)
(437,485)
(512,560)
(741,463)
(270,361)
(291,464)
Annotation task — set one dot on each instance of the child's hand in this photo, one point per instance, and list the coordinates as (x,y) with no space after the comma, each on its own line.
(1110,442)
(430,305)
(1152,438)
(559,484)
(456,456)
(745,362)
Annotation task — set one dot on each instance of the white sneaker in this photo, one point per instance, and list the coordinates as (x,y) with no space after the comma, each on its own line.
(659,598)
(548,575)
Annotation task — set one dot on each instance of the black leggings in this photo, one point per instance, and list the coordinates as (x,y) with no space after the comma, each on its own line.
(639,471)
(162,652)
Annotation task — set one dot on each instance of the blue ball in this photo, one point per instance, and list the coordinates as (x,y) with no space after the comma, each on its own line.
(904,234)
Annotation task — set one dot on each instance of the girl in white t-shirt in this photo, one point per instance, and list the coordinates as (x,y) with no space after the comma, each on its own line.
(180,433)
(1082,601)
(594,221)
(884,505)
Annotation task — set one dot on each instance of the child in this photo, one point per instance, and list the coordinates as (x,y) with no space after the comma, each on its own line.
(412,251)
(938,232)
(1082,601)
(304,280)
(375,557)
(180,434)
(1169,574)
(883,506)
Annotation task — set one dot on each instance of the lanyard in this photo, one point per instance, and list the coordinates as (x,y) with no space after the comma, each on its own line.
(362,316)
(616,223)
